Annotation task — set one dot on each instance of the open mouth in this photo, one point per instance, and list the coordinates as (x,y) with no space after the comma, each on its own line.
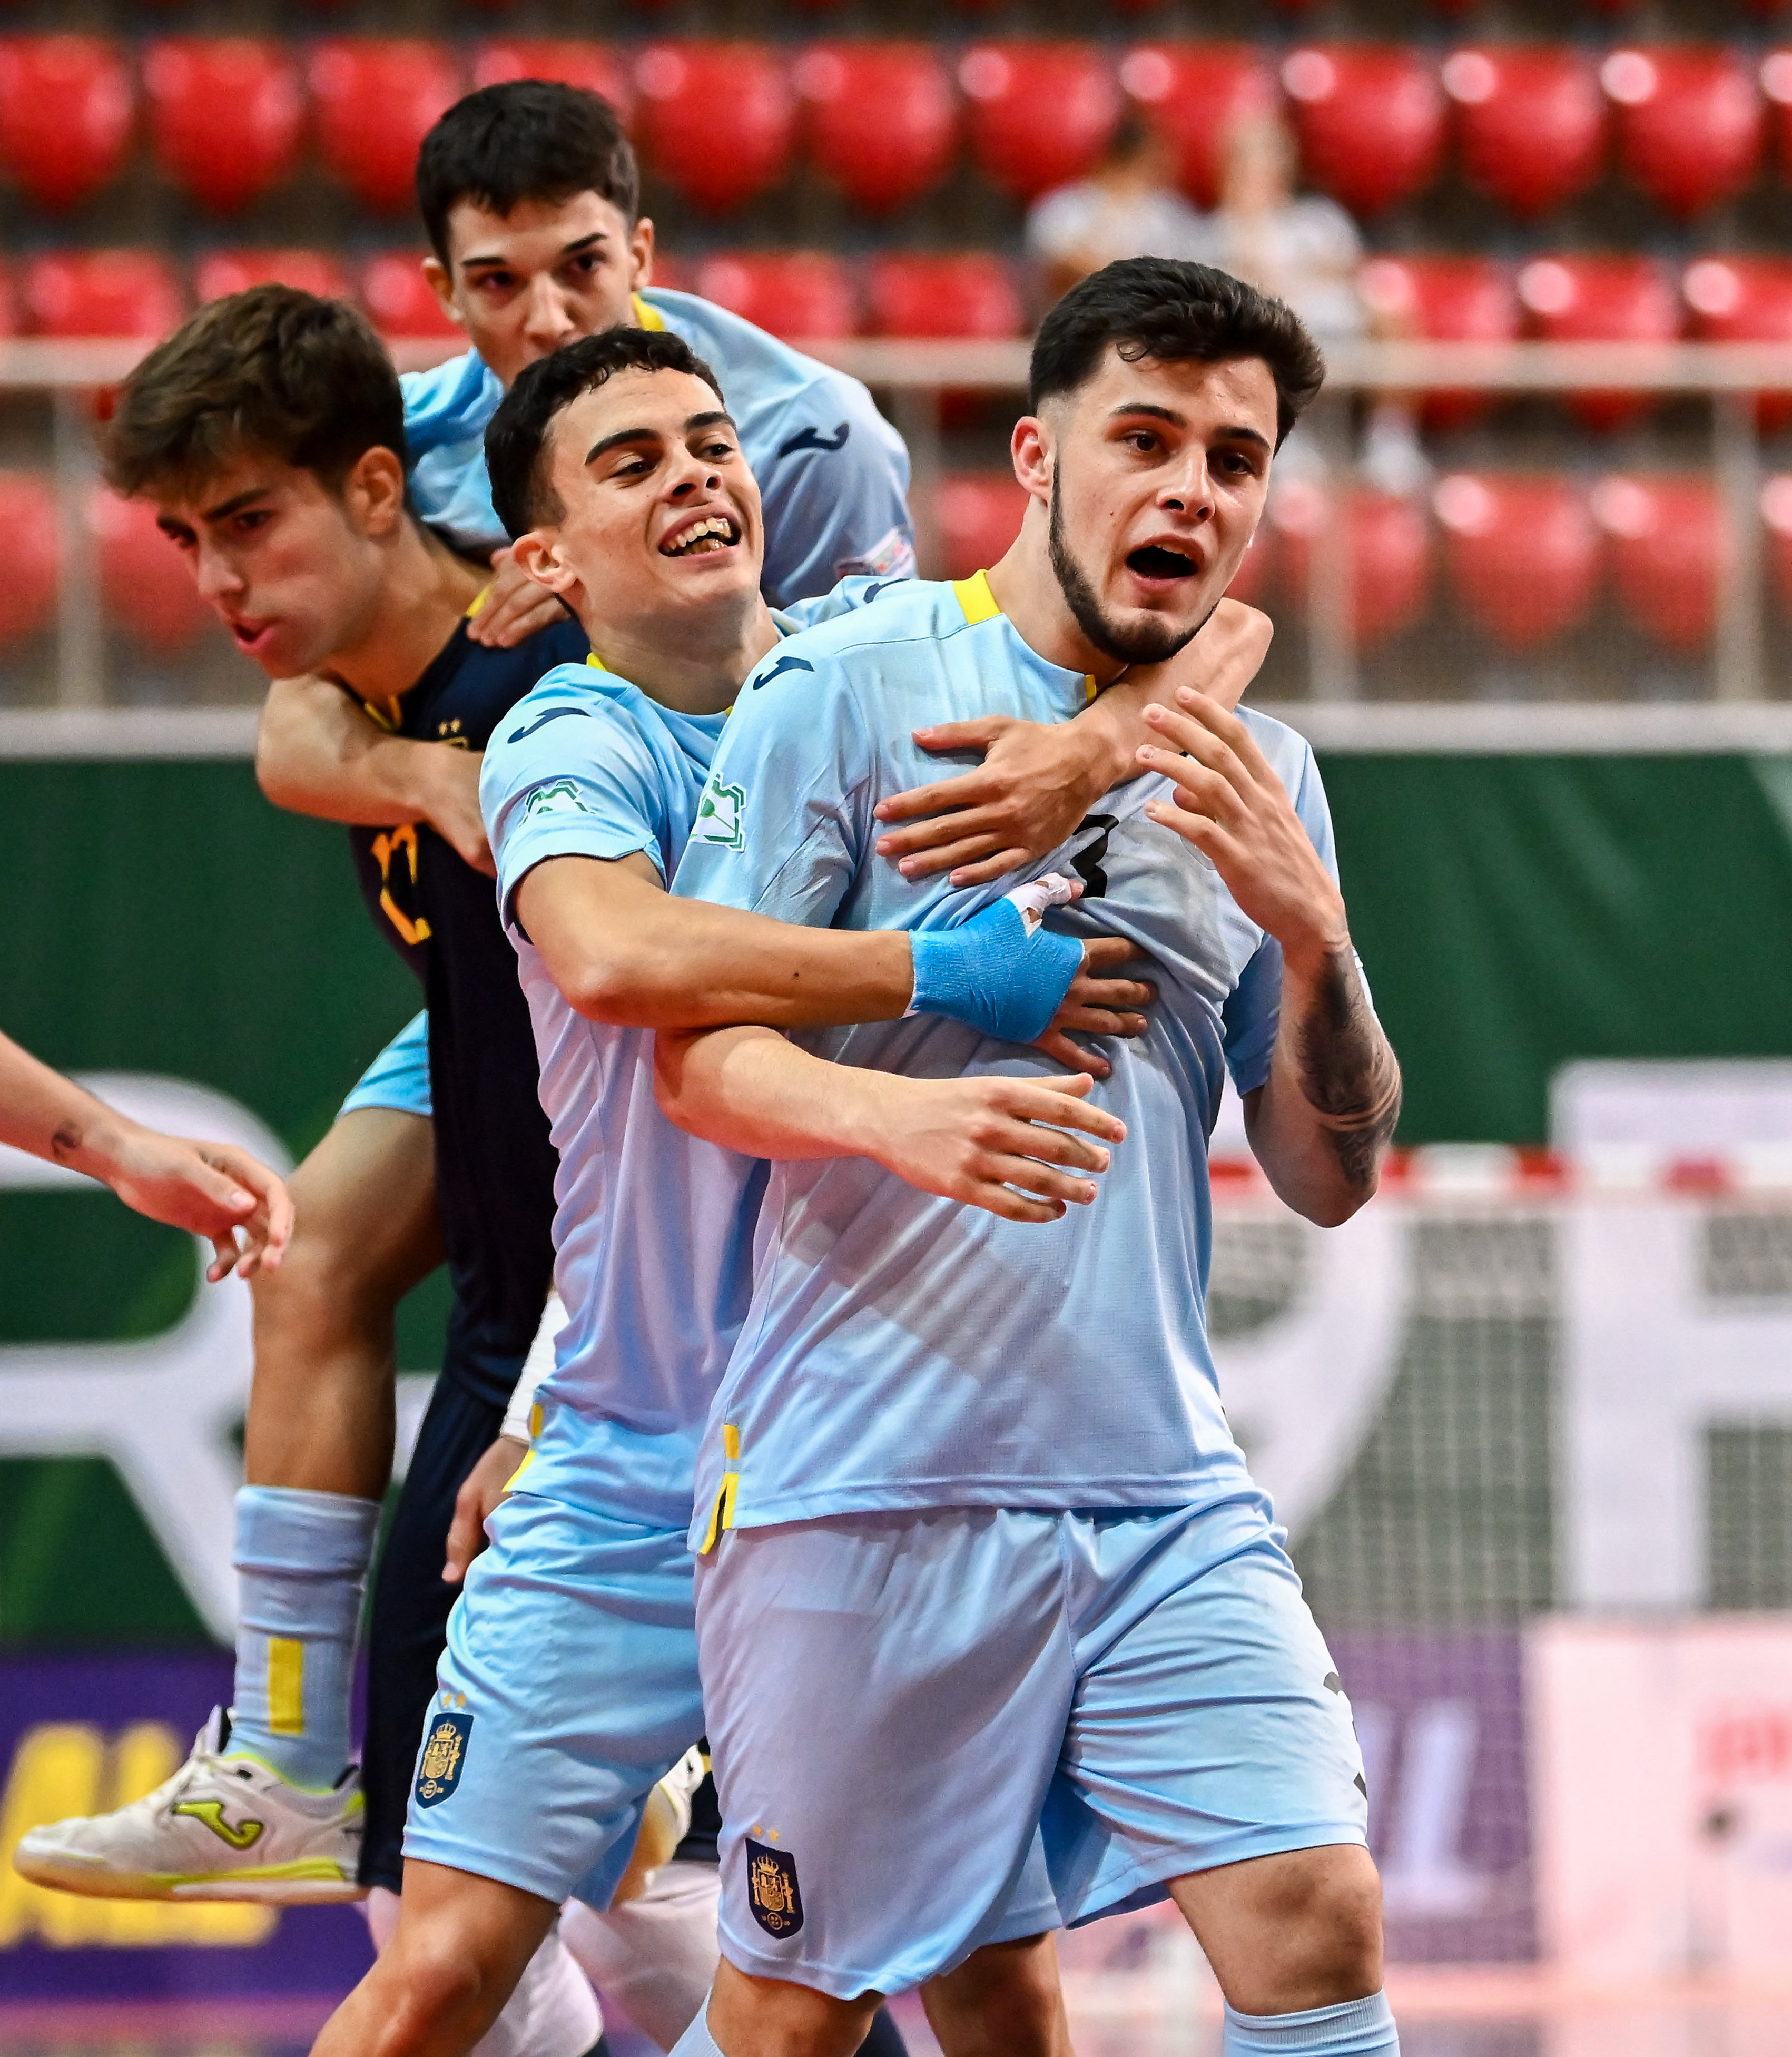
(249,633)
(1156,561)
(704,538)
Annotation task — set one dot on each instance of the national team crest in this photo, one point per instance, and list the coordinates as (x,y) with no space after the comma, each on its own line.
(772,1888)
(444,1754)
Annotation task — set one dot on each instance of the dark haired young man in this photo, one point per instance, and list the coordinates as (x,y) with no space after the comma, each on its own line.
(968,1496)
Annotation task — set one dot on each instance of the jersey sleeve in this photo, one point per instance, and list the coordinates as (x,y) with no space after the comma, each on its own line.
(781,823)
(1253,1009)
(567,777)
(836,496)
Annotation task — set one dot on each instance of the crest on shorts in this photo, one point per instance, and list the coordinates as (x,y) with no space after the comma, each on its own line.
(772,1890)
(444,1754)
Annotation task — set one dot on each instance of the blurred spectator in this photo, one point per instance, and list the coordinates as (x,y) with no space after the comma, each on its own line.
(1128,206)
(1304,249)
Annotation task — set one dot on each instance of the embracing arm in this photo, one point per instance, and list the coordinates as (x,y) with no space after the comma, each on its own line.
(1321,1122)
(971,1140)
(623,951)
(1038,780)
(213,1189)
(318,753)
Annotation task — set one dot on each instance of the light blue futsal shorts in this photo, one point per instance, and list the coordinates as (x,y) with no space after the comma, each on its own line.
(895,1701)
(398,1077)
(568,1690)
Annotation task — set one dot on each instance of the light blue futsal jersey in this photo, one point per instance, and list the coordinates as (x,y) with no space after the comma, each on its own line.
(904,1351)
(653,1228)
(833,474)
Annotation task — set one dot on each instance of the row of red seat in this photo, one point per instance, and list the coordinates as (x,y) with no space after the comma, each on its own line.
(1525,555)
(226,117)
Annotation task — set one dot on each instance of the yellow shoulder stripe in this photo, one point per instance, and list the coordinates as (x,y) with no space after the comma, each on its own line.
(645,317)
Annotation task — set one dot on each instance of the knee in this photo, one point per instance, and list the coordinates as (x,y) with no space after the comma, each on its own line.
(432,1989)
(1330,1919)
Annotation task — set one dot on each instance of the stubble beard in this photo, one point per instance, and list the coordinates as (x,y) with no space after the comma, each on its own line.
(1149,642)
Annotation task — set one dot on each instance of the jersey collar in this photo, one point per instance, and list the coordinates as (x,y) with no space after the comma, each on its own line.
(974,595)
(645,317)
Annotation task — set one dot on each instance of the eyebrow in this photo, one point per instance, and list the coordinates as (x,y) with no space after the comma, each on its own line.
(226,508)
(1234,432)
(642,435)
(565,250)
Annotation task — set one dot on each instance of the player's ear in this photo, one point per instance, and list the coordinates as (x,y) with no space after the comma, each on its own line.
(441,284)
(641,255)
(537,554)
(374,491)
(1031,449)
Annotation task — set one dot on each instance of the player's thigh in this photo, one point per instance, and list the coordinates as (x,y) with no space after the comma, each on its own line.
(449,1919)
(364,1203)
(886,1696)
(1285,1933)
(568,1689)
(1211,1726)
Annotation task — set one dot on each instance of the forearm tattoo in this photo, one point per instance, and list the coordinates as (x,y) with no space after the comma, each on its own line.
(1348,1071)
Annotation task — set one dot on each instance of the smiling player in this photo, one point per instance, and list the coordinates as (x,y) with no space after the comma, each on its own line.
(968,1497)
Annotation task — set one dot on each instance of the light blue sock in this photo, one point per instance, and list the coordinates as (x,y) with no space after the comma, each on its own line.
(1357,2028)
(697,2041)
(301,1562)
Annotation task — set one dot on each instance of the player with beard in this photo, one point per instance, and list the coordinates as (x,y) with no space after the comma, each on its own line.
(968,1495)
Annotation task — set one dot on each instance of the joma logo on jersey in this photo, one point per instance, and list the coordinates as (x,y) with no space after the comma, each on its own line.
(561,798)
(718,816)
(772,1889)
(444,1756)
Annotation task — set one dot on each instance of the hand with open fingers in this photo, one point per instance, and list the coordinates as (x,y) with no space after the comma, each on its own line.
(450,794)
(1098,1005)
(1220,662)
(1229,804)
(211,1189)
(1007,1145)
(514,606)
(1036,782)
(483,1488)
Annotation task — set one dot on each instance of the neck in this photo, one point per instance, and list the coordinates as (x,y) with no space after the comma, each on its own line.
(424,590)
(1027,591)
(696,666)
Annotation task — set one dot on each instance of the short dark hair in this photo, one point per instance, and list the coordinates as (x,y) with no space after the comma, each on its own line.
(530,139)
(516,435)
(273,370)
(1170,310)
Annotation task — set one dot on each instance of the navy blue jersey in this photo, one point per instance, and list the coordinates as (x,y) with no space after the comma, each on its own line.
(494,1162)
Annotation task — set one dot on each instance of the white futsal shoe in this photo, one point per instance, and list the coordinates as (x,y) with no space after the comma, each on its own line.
(222,1827)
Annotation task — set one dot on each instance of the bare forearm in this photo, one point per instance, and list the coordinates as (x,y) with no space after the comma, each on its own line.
(749,1090)
(52,1117)
(1326,1115)
(318,754)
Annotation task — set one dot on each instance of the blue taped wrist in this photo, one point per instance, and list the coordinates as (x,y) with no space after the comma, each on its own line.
(990,972)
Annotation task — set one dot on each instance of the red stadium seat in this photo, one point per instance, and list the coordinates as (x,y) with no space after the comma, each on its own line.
(1530,123)
(1039,113)
(1744,299)
(1667,542)
(375,98)
(65,115)
(791,293)
(221,272)
(33,554)
(1689,123)
(101,292)
(1370,120)
(880,119)
(145,589)
(1196,94)
(398,298)
(718,120)
(224,115)
(976,515)
(1601,299)
(1776,83)
(1443,299)
(1522,554)
(1776,511)
(958,293)
(595,66)
(1390,557)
